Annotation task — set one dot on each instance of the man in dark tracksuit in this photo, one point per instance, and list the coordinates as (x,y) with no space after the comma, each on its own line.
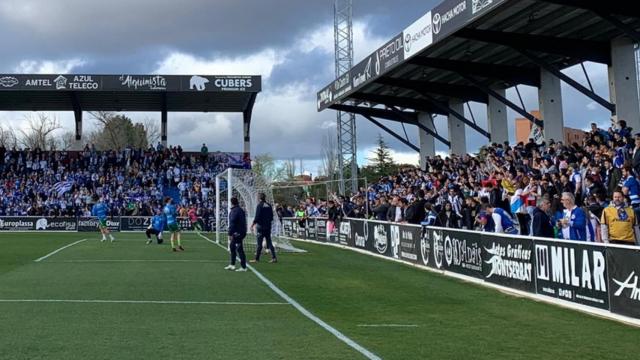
(262,224)
(237,233)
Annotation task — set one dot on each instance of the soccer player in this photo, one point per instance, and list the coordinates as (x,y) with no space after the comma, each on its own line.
(99,210)
(172,223)
(156,227)
(262,224)
(193,217)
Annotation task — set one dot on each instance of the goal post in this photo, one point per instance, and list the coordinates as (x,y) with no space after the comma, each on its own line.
(245,185)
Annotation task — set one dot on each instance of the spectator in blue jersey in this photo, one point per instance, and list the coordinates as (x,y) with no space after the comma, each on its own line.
(574,222)
(630,187)
(99,210)
(156,227)
(431,216)
(171,219)
(503,223)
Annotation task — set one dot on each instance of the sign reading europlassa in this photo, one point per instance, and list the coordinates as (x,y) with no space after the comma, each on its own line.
(624,280)
(508,262)
(573,272)
(11,223)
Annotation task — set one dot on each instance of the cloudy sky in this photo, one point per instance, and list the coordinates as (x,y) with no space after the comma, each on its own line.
(288,42)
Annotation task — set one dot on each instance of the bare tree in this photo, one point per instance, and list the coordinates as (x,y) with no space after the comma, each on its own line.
(153,130)
(265,166)
(68,140)
(39,133)
(8,137)
(330,159)
(290,169)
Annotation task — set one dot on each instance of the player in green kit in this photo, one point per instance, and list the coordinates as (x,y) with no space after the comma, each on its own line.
(169,212)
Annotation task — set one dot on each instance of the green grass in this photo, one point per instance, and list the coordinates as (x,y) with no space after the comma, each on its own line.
(454,320)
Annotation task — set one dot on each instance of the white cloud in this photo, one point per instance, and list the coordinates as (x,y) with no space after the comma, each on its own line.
(592,106)
(49,66)
(261,63)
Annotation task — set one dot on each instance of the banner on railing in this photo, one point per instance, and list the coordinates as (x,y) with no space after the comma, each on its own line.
(572,271)
(33,223)
(509,262)
(134,223)
(598,276)
(624,284)
(90,224)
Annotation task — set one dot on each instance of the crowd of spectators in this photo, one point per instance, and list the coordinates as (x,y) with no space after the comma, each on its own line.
(551,189)
(132,182)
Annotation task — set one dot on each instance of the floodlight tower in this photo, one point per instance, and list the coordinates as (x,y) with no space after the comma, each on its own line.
(343,36)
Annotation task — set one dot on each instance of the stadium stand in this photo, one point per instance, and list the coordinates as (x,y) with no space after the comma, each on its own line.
(511,178)
(131,181)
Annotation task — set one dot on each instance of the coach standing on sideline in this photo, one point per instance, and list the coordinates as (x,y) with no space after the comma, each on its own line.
(237,233)
(262,224)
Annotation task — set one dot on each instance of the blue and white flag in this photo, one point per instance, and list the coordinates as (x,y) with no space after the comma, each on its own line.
(62,187)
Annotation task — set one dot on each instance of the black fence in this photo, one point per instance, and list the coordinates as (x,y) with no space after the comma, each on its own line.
(596,275)
(88,224)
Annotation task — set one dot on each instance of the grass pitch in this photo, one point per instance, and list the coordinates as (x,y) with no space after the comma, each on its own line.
(129,300)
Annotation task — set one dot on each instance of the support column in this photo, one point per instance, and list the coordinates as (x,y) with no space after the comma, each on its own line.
(427,142)
(457,130)
(550,98)
(163,129)
(77,144)
(247,133)
(623,82)
(497,118)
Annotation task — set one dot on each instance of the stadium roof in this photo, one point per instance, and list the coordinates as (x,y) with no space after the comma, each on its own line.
(462,49)
(168,93)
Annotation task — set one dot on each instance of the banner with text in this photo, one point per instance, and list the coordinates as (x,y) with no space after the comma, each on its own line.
(623,266)
(572,271)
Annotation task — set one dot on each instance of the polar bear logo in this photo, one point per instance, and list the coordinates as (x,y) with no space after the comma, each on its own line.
(41,224)
(198,82)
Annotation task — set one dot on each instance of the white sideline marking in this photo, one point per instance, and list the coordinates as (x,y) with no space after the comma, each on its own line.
(57,251)
(387,325)
(139,302)
(368,354)
(150,260)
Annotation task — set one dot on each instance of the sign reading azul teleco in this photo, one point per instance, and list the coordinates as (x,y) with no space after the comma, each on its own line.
(127,82)
(434,26)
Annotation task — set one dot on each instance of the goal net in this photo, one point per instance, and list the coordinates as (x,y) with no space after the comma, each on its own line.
(245,185)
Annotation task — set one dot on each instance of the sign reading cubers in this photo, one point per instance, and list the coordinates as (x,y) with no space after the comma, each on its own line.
(509,262)
(573,272)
